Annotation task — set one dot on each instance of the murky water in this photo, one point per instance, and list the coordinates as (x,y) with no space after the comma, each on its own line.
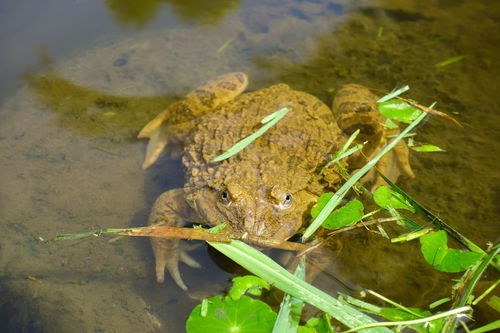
(79,80)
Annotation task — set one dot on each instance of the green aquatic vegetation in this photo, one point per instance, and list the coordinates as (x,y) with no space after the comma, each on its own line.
(268,121)
(427,148)
(337,197)
(449,61)
(224,45)
(261,265)
(395,109)
(436,252)
(291,307)
(385,197)
(235,312)
(346,215)
(225,315)
(250,284)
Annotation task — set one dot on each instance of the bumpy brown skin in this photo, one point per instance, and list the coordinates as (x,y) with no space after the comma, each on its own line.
(268,188)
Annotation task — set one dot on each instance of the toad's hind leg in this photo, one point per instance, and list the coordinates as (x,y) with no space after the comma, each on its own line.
(171,209)
(355,107)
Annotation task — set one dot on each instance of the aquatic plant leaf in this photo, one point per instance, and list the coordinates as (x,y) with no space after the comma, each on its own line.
(385,198)
(426,148)
(436,252)
(399,110)
(247,284)
(225,315)
(346,215)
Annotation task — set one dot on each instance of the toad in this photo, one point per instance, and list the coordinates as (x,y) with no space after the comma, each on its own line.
(268,188)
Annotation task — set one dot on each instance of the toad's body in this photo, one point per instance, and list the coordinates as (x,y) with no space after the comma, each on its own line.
(268,188)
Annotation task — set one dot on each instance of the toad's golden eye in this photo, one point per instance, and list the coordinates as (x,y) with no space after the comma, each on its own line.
(286,201)
(225,198)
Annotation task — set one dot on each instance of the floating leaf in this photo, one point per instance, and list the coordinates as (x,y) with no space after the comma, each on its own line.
(427,148)
(228,316)
(436,252)
(385,198)
(399,110)
(348,214)
(247,284)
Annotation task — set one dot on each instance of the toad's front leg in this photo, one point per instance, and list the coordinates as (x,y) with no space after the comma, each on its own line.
(171,209)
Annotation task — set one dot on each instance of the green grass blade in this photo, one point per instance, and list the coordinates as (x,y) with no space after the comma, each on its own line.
(291,307)
(393,94)
(269,121)
(471,277)
(449,61)
(267,269)
(337,197)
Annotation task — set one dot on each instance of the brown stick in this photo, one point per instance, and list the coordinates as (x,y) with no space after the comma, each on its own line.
(162,231)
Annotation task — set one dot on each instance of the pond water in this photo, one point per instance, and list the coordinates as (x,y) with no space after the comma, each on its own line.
(80,79)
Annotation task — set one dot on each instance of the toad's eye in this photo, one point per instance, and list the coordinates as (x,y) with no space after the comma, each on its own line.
(286,201)
(225,198)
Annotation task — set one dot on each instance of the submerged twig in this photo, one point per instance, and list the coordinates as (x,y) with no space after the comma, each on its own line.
(163,231)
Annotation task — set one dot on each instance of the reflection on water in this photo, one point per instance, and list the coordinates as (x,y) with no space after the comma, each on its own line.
(141,12)
(56,180)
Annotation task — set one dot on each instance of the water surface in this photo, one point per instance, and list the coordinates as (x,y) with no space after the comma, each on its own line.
(80,79)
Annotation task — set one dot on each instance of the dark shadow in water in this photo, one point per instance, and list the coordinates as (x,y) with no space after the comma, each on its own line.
(91,112)
(140,13)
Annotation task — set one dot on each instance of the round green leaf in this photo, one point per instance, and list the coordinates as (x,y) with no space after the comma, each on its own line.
(436,252)
(247,284)
(399,110)
(385,197)
(346,215)
(246,315)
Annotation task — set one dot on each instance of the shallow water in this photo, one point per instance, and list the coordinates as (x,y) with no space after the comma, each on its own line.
(79,80)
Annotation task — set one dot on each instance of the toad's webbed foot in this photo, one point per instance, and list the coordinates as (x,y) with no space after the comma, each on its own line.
(171,209)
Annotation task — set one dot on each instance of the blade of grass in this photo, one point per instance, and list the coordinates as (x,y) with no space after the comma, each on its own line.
(450,314)
(269,121)
(470,278)
(393,94)
(267,269)
(291,307)
(337,197)
(449,61)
